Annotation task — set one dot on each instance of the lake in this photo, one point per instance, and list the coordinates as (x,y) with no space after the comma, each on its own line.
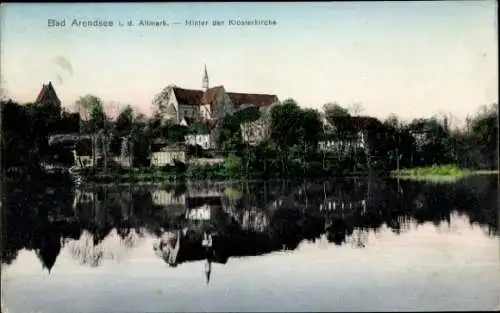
(345,245)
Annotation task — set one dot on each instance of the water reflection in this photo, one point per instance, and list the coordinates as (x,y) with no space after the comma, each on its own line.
(221,221)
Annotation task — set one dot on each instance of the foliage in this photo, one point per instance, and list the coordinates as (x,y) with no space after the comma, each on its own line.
(125,120)
(199,129)
(249,114)
(232,166)
(176,133)
(92,109)
(442,170)
(229,137)
(360,144)
(334,110)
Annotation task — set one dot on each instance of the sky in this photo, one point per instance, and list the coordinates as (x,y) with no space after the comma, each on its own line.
(413,59)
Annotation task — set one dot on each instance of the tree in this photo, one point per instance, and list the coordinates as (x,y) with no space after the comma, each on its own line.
(392,121)
(4,95)
(356,108)
(248,114)
(311,127)
(125,119)
(229,135)
(176,133)
(141,146)
(160,105)
(285,122)
(232,166)
(294,129)
(16,138)
(91,109)
(485,135)
(333,109)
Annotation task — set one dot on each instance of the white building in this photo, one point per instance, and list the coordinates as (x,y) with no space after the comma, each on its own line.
(167,156)
(337,145)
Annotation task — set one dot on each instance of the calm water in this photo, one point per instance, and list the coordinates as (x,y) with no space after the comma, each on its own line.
(336,246)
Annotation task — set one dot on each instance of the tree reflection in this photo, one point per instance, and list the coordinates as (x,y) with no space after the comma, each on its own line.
(96,222)
(86,250)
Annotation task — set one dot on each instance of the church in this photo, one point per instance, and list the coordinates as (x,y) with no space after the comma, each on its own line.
(210,104)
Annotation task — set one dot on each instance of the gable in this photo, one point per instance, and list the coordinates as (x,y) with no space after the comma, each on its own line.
(47,94)
(211,95)
(189,97)
(171,100)
(52,94)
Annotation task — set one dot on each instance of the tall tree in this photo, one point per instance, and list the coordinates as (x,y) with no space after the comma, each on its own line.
(356,108)
(91,108)
(332,110)
(485,135)
(125,119)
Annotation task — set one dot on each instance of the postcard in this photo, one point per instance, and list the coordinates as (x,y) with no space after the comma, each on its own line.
(249,157)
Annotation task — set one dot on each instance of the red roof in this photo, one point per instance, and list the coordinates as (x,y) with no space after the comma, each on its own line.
(259,100)
(199,97)
(210,95)
(188,96)
(47,93)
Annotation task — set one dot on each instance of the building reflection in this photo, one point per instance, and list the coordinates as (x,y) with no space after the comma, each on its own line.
(213,223)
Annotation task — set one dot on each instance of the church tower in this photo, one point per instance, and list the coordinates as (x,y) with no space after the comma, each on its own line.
(205,79)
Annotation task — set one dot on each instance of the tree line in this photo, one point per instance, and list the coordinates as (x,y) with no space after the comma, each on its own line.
(301,141)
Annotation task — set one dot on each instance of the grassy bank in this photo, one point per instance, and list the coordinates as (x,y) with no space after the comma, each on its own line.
(439,173)
(231,169)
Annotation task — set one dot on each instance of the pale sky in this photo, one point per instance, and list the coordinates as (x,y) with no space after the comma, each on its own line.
(414,59)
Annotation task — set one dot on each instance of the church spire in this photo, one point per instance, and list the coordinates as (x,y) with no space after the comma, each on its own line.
(205,79)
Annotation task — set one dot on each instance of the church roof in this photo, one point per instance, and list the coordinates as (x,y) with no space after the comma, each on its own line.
(188,96)
(259,100)
(47,92)
(199,97)
(210,95)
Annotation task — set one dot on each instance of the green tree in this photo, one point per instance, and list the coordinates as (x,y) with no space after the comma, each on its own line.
(229,135)
(125,119)
(333,109)
(294,129)
(16,138)
(232,165)
(485,136)
(91,108)
(176,133)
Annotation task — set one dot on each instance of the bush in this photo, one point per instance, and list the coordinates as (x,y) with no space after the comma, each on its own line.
(232,166)
(435,170)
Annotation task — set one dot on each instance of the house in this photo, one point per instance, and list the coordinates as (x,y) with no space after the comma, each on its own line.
(163,154)
(256,131)
(348,133)
(172,202)
(47,97)
(79,144)
(88,148)
(164,198)
(210,104)
(420,133)
(204,133)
